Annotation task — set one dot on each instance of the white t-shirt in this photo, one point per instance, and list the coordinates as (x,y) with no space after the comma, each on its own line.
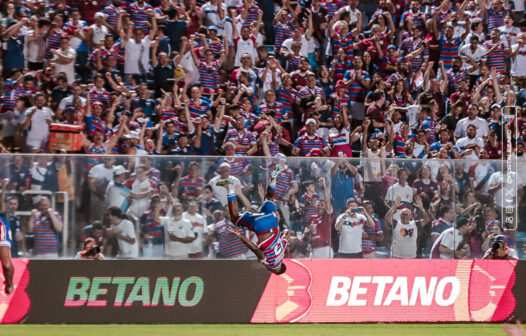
(117,196)
(69,68)
(519,5)
(477,56)
(211,16)
(127,250)
(404,240)
(221,193)
(509,191)
(38,175)
(518,66)
(418,149)
(134,52)
(102,176)
(353,14)
(139,206)
(412,115)
(461,146)
(434,166)
(405,193)
(247,46)
(351,233)
(68,101)
(38,132)
(304,51)
(372,166)
(512,31)
(36,49)
(478,173)
(200,227)
(268,84)
(451,239)
(101,172)
(462,126)
(187,62)
(99,32)
(181,229)
(228,30)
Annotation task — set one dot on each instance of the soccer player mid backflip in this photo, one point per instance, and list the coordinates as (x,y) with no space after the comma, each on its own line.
(271,246)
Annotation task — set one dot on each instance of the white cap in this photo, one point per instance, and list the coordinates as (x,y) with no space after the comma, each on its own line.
(281,157)
(119,170)
(310,121)
(99,14)
(132,135)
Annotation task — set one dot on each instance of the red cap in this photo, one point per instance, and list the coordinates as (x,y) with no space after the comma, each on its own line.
(340,83)
(315,152)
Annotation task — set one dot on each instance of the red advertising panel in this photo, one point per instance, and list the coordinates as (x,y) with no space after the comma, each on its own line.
(14,308)
(344,290)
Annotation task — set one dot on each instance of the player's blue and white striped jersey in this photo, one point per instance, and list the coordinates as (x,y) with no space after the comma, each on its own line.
(5,233)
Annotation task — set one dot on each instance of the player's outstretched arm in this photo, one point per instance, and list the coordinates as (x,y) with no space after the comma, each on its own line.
(233,209)
(271,190)
(251,246)
(8,268)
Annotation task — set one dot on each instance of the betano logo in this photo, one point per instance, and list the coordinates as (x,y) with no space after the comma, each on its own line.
(353,290)
(343,290)
(92,292)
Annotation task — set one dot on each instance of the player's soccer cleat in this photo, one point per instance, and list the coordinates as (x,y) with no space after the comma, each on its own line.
(224,183)
(275,173)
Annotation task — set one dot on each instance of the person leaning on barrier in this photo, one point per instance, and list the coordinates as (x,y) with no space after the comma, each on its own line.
(90,251)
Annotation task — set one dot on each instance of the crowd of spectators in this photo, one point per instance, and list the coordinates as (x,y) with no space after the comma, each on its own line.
(440,83)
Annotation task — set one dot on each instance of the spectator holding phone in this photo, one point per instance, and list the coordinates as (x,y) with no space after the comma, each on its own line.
(350,225)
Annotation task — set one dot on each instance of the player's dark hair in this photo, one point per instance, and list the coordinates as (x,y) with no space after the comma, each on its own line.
(281,270)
